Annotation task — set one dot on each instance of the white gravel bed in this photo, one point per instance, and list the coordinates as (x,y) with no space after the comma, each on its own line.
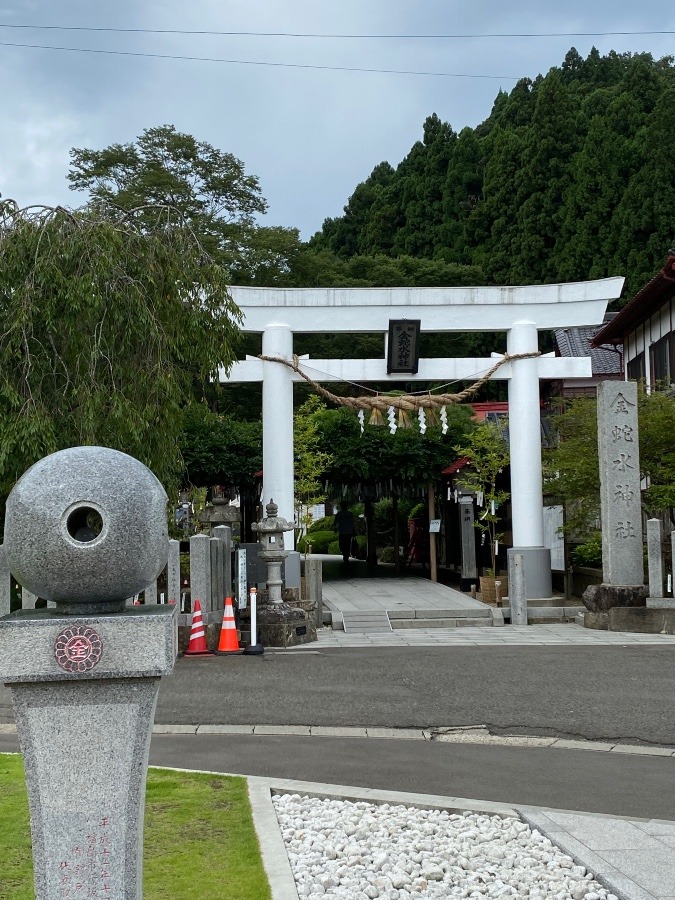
(361,852)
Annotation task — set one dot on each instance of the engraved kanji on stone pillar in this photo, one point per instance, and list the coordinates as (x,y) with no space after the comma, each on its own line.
(619,459)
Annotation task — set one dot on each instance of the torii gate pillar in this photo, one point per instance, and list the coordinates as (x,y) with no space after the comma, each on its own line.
(525,452)
(277,420)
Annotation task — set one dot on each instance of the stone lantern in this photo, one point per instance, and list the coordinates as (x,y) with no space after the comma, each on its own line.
(86,528)
(271,535)
(281,625)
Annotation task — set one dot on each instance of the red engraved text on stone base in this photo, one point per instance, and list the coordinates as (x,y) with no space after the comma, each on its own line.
(78,648)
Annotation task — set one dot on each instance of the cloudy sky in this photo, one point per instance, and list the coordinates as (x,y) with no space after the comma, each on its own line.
(309,134)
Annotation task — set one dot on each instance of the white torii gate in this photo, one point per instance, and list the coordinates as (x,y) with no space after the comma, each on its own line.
(519,311)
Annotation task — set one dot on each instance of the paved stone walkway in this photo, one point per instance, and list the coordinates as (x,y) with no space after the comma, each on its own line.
(400,594)
(477,636)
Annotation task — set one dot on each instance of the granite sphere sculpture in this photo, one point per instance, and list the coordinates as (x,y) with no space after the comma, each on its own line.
(87,528)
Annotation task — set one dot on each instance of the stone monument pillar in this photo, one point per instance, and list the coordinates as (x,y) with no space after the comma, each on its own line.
(84,675)
(468,533)
(620,507)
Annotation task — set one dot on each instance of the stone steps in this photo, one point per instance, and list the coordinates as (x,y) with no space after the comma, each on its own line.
(453,622)
(366,621)
(379,621)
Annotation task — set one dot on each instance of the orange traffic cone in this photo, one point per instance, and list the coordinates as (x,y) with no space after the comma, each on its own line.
(228,642)
(197,645)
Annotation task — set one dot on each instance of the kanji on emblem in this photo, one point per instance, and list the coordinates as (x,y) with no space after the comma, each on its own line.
(78,648)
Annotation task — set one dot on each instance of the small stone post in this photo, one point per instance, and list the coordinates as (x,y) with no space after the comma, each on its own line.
(314,584)
(655,558)
(173,573)
(217,578)
(468,532)
(200,570)
(84,676)
(517,592)
(224,533)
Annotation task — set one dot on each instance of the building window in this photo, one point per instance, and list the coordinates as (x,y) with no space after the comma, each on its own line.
(659,363)
(636,368)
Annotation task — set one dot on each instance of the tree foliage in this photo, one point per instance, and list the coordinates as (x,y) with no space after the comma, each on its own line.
(382,463)
(220,449)
(310,461)
(111,321)
(488,453)
(572,470)
(208,186)
(568,178)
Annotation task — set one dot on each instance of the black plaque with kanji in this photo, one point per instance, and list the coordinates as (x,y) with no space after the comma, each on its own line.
(403,349)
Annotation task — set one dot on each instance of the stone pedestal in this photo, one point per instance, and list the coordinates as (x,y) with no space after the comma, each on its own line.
(599,598)
(536,570)
(642,620)
(281,625)
(84,690)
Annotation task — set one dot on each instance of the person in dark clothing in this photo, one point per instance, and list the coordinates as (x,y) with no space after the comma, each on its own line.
(345,527)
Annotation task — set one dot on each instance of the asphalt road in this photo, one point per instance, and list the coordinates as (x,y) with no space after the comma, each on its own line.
(613,693)
(610,783)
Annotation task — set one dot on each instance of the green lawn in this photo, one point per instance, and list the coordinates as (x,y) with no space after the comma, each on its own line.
(199,838)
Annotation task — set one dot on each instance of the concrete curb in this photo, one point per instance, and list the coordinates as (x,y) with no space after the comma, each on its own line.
(272,847)
(473,734)
(476,734)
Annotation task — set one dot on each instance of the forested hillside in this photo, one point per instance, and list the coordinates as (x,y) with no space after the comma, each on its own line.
(571,177)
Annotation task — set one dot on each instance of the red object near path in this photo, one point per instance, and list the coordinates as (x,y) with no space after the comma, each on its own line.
(197,645)
(228,642)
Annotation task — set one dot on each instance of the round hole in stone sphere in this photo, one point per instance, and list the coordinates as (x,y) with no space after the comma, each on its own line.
(84,524)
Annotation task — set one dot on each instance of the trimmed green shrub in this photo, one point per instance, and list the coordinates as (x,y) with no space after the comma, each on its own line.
(589,553)
(419,511)
(325,524)
(320,541)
